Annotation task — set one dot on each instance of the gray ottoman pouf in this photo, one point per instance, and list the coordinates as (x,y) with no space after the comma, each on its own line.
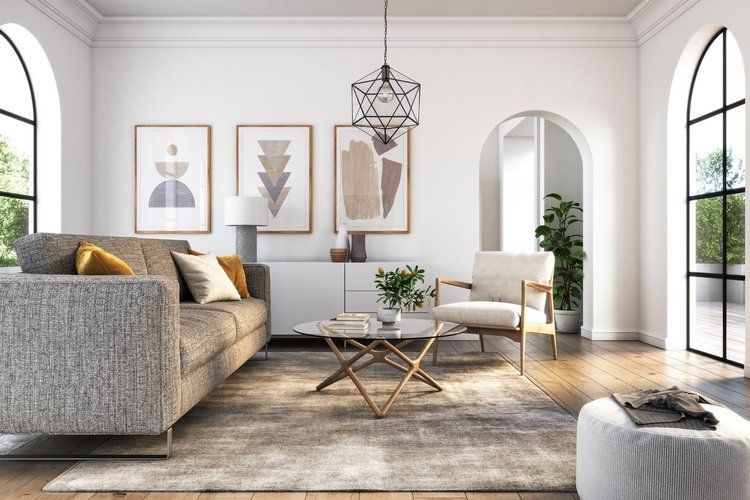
(617,460)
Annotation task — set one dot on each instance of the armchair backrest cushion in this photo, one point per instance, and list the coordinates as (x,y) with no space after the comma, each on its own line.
(497,276)
(52,253)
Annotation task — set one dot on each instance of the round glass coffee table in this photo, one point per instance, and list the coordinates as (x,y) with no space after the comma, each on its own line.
(379,342)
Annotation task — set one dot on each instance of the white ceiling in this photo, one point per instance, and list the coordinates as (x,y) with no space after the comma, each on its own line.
(230,8)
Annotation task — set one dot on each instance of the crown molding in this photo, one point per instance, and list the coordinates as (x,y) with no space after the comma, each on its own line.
(76,16)
(364,32)
(86,23)
(651,16)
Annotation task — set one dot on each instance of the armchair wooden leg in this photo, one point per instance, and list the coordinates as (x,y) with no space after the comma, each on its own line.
(434,352)
(554,344)
(481,342)
(523,350)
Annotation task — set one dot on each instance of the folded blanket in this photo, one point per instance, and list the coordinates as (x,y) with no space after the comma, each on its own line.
(672,408)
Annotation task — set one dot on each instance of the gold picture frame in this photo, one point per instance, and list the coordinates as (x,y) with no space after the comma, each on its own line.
(239,180)
(136,187)
(407,186)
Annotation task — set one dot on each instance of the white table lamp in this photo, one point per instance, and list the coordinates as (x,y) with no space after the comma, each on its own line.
(247,213)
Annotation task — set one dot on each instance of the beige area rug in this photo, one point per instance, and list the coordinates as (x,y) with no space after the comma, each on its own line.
(267,429)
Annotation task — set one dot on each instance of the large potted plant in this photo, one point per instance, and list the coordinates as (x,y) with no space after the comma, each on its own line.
(558,236)
(398,290)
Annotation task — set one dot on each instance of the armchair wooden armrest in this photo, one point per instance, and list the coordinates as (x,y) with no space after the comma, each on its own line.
(445,281)
(539,287)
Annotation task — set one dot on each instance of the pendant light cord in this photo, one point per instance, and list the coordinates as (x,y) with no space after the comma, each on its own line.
(385,35)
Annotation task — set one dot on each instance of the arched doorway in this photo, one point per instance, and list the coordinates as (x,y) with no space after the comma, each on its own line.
(706,200)
(30,138)
(526,156)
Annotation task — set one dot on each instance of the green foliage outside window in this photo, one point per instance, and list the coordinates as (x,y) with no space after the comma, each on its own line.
(708,211)
(14,213)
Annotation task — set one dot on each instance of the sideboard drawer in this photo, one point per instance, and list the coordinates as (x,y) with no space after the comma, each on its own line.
(361,275)
(367,302)
(361,301)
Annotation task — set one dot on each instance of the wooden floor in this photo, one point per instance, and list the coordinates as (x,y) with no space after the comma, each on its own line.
(584,371)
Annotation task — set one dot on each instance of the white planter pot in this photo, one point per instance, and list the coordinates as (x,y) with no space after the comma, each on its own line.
(388,315)
(567,321)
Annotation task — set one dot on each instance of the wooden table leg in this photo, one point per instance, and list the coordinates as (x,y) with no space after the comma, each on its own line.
(348,369)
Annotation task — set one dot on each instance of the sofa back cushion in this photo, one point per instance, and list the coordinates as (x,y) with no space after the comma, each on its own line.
(497,276)
(159,261)
(50,253)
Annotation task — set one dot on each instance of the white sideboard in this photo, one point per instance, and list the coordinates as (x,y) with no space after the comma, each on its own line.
(308,291)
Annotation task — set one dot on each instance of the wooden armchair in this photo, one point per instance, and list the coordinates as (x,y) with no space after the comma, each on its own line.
(508,295)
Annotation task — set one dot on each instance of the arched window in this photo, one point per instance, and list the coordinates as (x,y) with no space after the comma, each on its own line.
(18,140)
(716,202)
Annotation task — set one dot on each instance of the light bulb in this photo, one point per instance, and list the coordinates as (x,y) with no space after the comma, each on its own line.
(385,94)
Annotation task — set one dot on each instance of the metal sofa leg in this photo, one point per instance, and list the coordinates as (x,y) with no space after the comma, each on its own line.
(266,349)
(95,457)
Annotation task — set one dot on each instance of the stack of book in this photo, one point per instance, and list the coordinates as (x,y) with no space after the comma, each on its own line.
(350,322)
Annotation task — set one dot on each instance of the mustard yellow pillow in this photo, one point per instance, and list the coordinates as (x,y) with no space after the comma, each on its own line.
(232,265)
(90,260)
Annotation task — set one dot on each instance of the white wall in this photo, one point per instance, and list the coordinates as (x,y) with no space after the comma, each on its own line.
(70,58)
(563,166)
(519,200)
(489,192)
(467,91)
(662,171)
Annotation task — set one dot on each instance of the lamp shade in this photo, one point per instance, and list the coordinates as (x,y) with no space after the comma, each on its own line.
(245,211)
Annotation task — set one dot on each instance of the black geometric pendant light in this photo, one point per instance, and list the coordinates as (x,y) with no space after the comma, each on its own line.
(385,103)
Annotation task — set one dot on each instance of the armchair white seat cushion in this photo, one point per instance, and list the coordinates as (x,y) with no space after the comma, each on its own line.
(487,314)
(504,284)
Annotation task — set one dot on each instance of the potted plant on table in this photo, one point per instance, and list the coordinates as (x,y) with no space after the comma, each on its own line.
(399,290)
(559,238)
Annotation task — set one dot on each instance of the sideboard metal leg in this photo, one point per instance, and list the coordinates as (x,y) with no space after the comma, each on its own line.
(94,457)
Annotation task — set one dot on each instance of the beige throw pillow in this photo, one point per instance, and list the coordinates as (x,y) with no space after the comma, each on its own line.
(205,278)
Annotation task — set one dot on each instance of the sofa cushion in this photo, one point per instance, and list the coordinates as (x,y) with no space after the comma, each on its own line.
(92,260)
(159,260)
(489,314)
(248,314)
(203,334)
(51,253)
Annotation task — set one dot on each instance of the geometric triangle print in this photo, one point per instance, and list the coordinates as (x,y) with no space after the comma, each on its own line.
(274,148)
(274,165)
(275,206)
(274,189)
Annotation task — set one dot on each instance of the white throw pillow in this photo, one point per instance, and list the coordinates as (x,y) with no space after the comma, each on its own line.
(206,279)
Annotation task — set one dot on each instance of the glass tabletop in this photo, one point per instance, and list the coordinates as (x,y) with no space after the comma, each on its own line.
(406,329)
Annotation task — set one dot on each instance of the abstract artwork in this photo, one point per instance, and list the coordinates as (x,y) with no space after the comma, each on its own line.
(173,178)
(275,162)
(371,182)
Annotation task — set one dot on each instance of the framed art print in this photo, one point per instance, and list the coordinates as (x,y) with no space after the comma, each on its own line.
(172,179)
(275,162)
(371,192)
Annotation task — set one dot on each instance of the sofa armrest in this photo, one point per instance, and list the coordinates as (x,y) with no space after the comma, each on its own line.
(259,284)
(88,354)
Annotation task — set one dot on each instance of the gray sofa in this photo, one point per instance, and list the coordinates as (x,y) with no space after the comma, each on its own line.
(115,354)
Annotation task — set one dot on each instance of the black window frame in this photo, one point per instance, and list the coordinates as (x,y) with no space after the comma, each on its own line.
(31,198)
(723,194)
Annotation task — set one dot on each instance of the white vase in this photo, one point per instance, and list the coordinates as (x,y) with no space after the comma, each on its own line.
(342,237)
(389,315)
(567,321)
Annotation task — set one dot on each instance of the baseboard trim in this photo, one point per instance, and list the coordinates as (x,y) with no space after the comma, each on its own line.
(609,335)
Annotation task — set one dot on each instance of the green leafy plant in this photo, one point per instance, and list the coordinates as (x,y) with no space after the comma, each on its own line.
(399,288)
(709,177)
(14,213)
(557,236)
